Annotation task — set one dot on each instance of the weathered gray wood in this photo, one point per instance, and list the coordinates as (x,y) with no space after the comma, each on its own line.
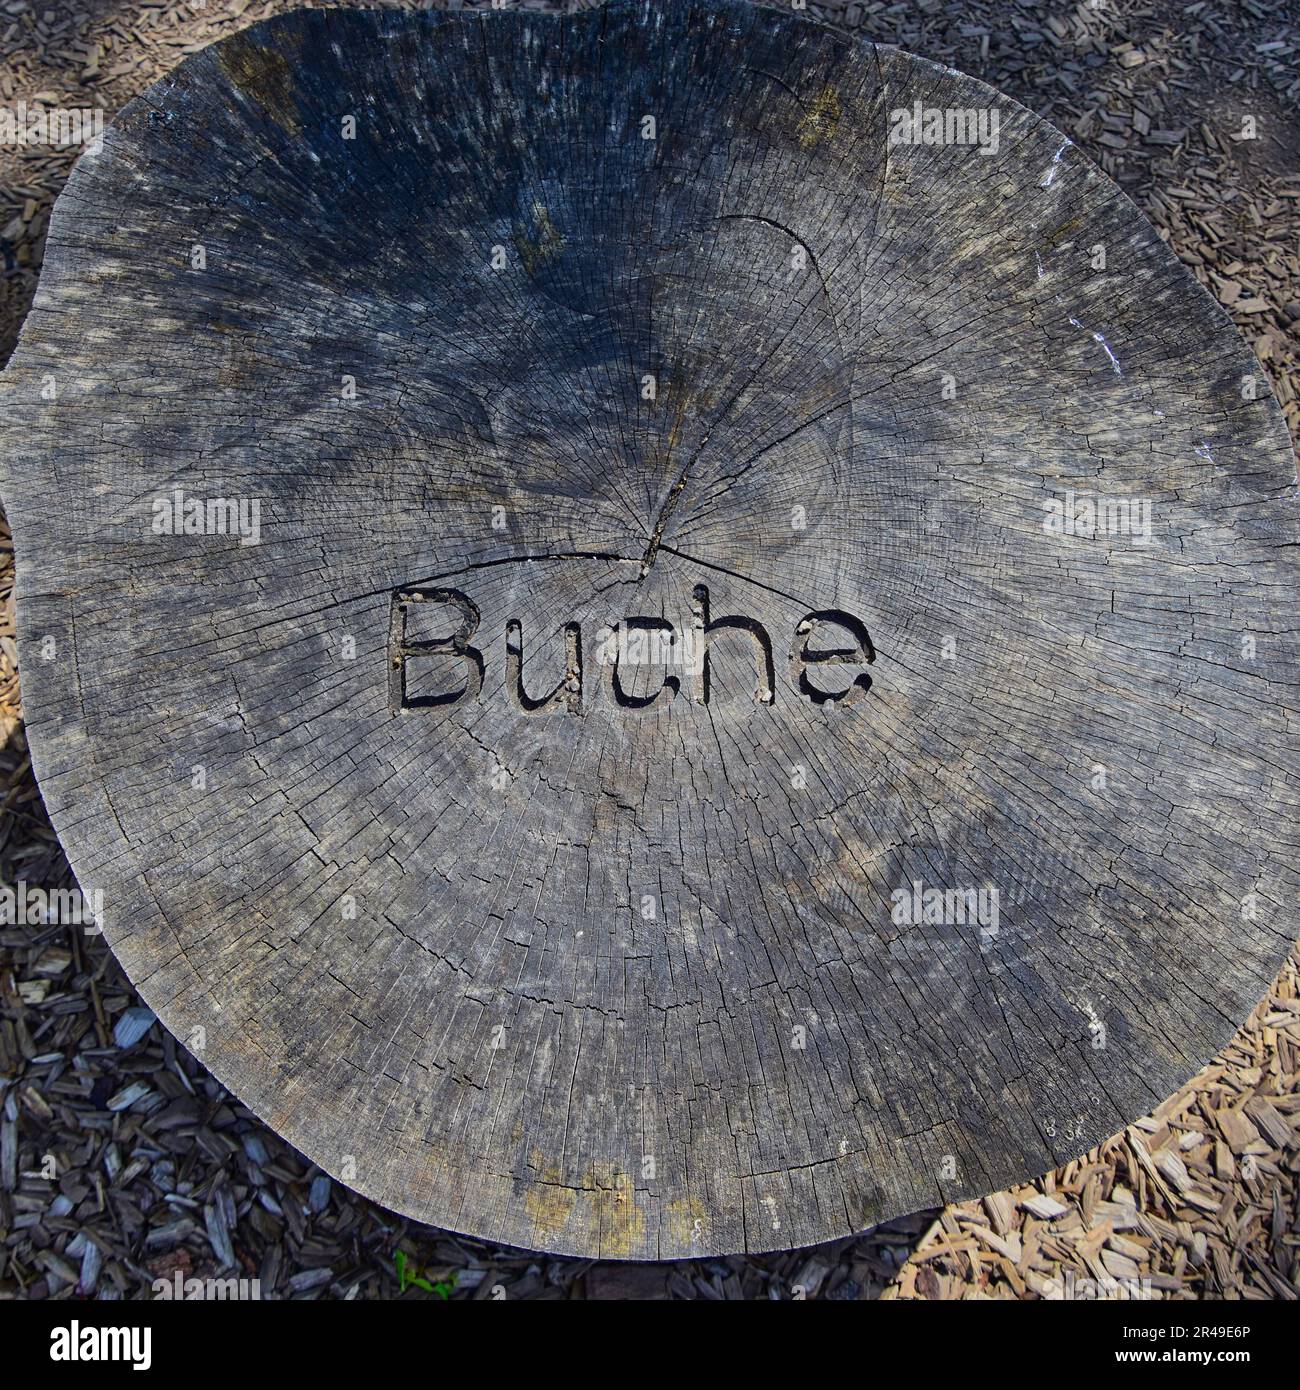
(596,969)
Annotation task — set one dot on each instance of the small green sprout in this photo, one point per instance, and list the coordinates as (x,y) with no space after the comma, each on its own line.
(409,1276)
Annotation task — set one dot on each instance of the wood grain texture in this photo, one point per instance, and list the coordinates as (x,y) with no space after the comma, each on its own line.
(605,956)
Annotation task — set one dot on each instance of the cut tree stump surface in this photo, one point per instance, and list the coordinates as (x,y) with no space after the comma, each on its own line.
(642,668)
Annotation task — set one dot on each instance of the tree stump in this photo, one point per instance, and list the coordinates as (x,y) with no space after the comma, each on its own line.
(665,632)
